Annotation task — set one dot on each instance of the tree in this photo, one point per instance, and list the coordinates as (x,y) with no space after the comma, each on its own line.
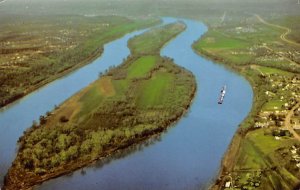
(63,142)
(34,123)
(72,152)
(63,119)
(28,164)
(42,120)
(86,147)
(100,74)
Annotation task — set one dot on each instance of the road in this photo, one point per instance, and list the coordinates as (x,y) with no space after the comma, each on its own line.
(282,36)
(223,17)
(287,122)
(280,55)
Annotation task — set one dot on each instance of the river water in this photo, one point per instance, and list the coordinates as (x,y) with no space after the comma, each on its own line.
(187,156)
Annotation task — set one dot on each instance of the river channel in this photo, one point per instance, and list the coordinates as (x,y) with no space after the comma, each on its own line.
(187,156)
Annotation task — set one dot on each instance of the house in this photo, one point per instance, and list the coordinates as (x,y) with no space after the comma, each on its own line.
(277,138)
(228,184)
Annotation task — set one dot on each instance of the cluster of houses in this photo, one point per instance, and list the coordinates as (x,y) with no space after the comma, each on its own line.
(20,57)
(287,91)
(295,120)
(245,29)
(295,156)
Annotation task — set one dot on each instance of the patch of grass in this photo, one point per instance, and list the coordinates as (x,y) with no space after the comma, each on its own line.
(217,40)
(120,86)
(241,58)
(273,105)
(222,46)
(257,152)
(266,143)
(249,157)
(90,100)
(141,66)
(153,92)
(270,70)
(150,42)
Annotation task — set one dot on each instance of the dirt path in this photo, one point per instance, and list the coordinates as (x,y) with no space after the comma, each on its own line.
(287,122)
(282,36)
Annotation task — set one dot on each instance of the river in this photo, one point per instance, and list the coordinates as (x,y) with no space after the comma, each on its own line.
(187,156)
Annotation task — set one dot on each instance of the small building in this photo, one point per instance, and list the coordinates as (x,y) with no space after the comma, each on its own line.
(227,184)
(277,138)
(296,127)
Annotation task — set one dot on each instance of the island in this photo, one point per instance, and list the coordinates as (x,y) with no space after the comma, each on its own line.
(128,104)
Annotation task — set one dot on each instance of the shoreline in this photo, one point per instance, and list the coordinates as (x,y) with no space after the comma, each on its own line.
(88,60)
(227,163)
(247,148)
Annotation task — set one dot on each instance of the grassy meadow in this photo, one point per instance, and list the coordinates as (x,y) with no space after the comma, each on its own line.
(149,43)
(261,153)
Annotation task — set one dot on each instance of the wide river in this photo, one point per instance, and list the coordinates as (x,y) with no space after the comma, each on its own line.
(187,156)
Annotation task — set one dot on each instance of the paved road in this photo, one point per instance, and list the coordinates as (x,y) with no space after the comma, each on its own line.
(282,36)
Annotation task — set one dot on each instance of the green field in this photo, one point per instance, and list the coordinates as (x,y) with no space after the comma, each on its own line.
(150,42)
(141,66)
(273,105)
(153,92)
(227,45)
(270,70)
(221,45)
(218,40)
(89,100)
(259,152)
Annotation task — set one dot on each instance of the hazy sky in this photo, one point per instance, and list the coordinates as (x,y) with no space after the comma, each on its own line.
(103,6)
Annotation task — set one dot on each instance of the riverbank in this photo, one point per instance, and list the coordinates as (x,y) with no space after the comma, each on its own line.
(107,116)
(64,50)
(248,163)
(91,58)
(229,159)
